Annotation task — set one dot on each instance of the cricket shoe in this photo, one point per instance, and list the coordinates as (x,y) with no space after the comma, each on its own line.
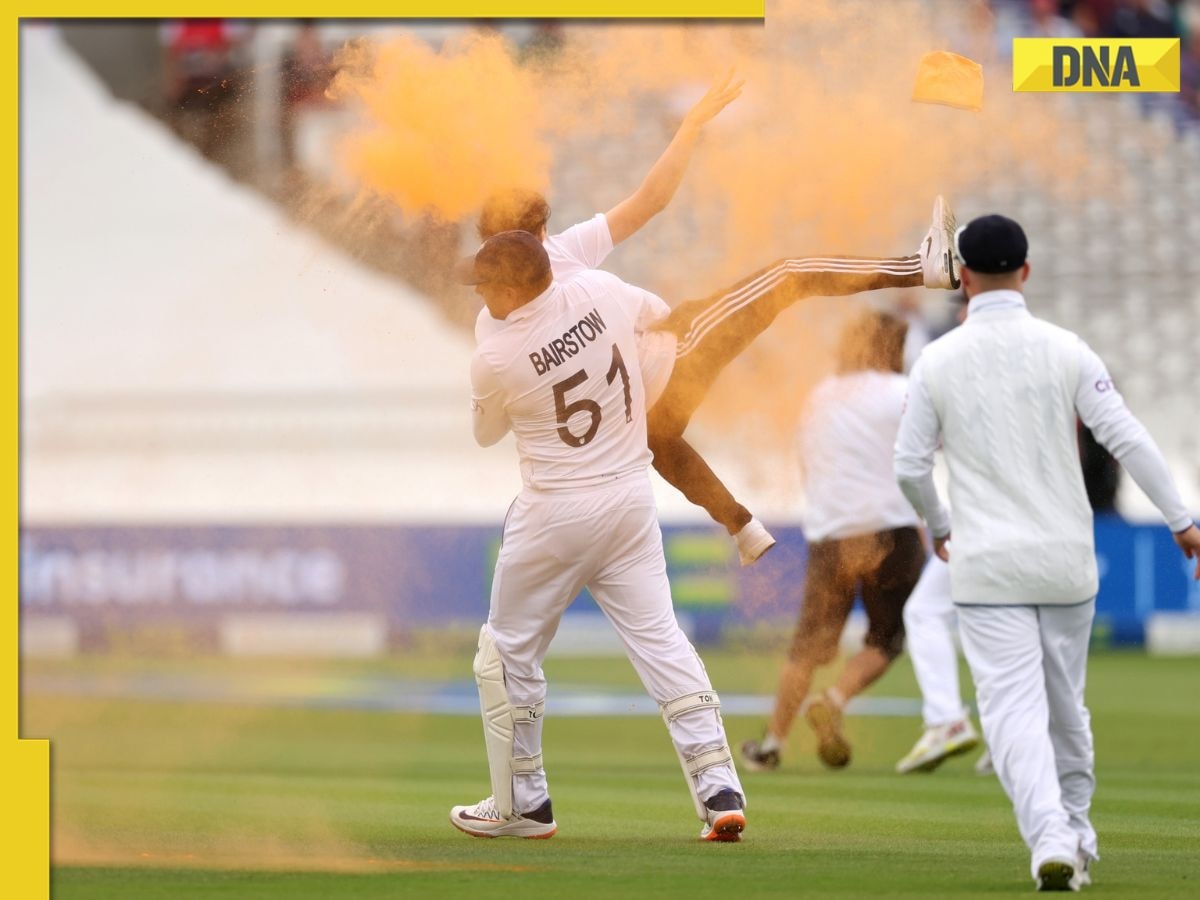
(484,820)
(726,818)
(1057,875)
(939,744)
(825,718)
(938,263)
(752,542)
(756,759)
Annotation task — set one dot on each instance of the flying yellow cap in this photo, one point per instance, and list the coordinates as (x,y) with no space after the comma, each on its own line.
(949,79)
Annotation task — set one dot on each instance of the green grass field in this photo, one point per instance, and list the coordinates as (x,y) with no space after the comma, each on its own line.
(169,799)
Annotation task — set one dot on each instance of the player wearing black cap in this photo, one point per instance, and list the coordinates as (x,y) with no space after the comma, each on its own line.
(1001,394)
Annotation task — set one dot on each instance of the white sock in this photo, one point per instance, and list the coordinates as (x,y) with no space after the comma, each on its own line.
(770,743)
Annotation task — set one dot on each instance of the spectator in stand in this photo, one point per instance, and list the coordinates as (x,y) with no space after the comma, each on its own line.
(1045,20)
(1189,63)
(1149,19)
(200,59)
(1143,19)
(1091,17)
(305,72)
(1085,19)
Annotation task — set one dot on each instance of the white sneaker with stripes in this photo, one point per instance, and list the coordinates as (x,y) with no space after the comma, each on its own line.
(938,263)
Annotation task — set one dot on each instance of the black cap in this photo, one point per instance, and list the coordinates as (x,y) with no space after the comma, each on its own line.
(511,258)
(992,245)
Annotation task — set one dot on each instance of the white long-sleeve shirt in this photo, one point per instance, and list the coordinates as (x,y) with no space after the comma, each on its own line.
(1001,394)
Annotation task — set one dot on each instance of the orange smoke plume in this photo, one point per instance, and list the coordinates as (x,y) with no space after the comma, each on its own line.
(446,129)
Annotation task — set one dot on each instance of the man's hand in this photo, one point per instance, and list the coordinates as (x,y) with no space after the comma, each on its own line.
(1189,542)
(661,182)
(941,546)
(723,91)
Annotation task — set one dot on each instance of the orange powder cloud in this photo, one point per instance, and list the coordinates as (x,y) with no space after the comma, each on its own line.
(445,128)
(823,153)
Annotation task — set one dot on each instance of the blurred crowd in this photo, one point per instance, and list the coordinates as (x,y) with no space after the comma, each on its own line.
(209,65)
(252,95)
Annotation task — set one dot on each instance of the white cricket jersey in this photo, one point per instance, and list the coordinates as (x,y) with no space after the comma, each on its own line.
(1002,391)
(562,373)
(581,248)
(845,444)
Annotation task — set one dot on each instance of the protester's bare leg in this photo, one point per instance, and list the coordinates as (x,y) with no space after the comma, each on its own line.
(794,683)
(828,598)
(862,670)
(713,331)
(680,465)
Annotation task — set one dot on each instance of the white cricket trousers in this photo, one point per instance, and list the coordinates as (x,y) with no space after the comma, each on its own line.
(607,539)
(929,623)
(1030,665)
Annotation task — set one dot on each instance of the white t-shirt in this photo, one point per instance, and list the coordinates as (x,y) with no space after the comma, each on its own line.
(845,444)
(579,248)
(561,374)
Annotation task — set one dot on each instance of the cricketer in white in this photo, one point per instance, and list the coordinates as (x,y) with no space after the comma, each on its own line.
(563,376)
(1001,394)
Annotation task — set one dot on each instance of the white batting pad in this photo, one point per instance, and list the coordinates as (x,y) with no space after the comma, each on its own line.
(700,762)
(497,715)
(500,717)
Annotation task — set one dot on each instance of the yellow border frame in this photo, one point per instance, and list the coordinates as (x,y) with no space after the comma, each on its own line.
(26,763)
(446,9)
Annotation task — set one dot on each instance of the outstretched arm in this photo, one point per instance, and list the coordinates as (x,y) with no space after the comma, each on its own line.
(663,179)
